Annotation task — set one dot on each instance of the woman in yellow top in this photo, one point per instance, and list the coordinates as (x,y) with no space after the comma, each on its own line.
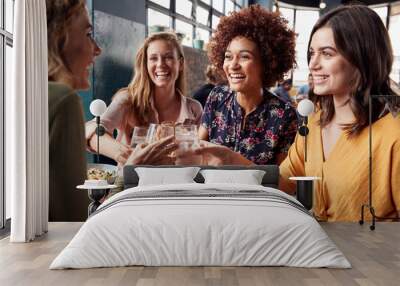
(350,58)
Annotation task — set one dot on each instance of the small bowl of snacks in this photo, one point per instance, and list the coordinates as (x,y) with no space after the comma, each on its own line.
(102,172)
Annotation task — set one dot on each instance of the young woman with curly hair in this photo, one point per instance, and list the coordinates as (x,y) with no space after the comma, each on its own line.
(350,58)
(253,48)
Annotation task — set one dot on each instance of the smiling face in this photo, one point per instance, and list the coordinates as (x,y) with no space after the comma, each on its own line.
(242,65)
(80,50)
(332,74)
(163,63)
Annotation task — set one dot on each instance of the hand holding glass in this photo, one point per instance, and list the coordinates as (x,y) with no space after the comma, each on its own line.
(187,140)
(139,136)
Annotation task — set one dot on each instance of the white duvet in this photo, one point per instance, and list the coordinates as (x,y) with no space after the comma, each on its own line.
(208,230)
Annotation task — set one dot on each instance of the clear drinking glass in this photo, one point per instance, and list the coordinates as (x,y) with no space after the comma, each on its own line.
(152,133)
(165,129)
(187,139)
(139,136)
(186,136)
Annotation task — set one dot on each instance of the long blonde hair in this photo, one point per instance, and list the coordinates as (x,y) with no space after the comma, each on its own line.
(59,15)
(141,88)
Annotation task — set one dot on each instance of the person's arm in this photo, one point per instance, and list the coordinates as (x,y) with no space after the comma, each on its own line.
(112,118)
(395,179)
(156,153)
(217,155)
(111,148)
(292,166)
(203,133)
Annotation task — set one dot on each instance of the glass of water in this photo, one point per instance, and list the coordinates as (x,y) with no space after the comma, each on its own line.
(139,136)
(152,133)
(165,129)
(187,139)
(186,136)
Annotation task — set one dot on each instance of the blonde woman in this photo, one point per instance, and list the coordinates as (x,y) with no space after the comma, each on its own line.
(71,50)
(155,94)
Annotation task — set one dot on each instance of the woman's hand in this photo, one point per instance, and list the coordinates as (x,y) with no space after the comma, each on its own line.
(213,154)
(123,153)
(111,148)
(155,153)
(217,155)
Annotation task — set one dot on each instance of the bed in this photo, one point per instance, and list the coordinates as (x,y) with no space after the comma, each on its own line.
(201,224)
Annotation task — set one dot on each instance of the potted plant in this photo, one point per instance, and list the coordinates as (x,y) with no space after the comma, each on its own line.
(198,43)
(157,29)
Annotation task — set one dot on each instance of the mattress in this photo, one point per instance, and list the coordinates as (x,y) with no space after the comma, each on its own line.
(201,225)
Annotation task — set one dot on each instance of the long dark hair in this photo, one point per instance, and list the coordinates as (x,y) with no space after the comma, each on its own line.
(362,39)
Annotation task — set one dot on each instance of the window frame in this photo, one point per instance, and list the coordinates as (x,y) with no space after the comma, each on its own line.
(2,92)
(6,39)
(387,6)
(295,8)
(171,12)
(395,74)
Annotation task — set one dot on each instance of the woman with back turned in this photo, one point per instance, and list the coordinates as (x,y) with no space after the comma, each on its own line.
(71,51)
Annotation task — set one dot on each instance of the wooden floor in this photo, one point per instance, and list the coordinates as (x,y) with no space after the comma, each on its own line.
(374,255)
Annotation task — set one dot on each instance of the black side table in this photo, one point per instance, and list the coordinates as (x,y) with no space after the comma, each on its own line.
(305,190)
(95,193)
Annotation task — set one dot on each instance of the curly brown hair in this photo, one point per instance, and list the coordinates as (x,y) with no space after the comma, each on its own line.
(268,30)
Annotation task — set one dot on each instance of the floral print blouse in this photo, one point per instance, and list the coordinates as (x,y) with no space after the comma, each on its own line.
(267,131)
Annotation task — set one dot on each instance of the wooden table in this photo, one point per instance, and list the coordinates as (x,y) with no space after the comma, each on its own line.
(374,255)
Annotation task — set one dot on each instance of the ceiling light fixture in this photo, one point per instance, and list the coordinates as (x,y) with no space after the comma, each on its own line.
(322,5)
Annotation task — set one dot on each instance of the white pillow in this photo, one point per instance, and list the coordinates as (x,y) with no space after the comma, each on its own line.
(249,177)
(163,176)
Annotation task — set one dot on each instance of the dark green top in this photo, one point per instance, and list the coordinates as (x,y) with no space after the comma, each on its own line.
(67,155)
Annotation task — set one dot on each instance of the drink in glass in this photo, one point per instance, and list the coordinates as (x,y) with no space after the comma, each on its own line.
(152,133)
(139,136)
(187,139)
(165,129)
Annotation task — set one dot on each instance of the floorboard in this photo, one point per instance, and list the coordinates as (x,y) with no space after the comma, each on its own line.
(374,255)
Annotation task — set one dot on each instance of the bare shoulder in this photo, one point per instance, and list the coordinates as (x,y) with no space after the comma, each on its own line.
(122,96)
